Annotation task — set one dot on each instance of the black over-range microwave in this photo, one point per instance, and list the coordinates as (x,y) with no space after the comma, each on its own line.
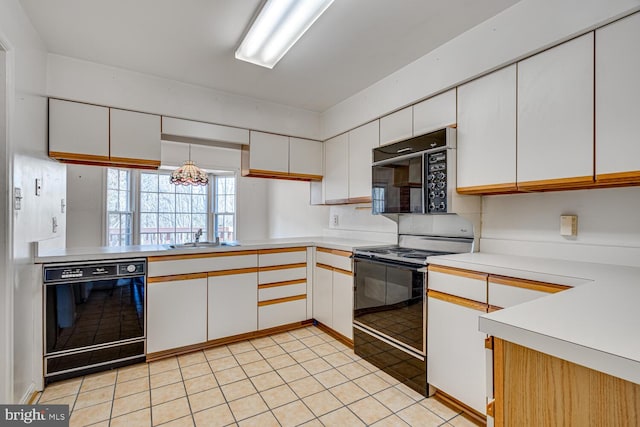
(416,175)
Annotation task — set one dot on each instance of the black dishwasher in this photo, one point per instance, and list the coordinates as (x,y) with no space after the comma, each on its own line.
(94,316)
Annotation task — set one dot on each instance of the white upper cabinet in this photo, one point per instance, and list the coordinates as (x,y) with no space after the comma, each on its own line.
(135,137)
(269,152)
(305,157)
(78,131)
(336,172)
(396,126)
(93,134)
(179,128)
(555,117)
(487,133)
(435,113)
(618,101)
(362,141)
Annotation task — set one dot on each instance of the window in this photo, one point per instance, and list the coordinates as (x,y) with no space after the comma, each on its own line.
(119,212)
(225,207)
(168,213)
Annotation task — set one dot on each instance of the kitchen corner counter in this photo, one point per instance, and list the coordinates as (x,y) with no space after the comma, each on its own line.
(595,324)
(104,252)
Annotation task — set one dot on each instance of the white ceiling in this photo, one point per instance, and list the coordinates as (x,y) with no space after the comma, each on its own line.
(353,45)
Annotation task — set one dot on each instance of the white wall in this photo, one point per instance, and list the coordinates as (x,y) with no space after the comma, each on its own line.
(529,224)
(290,213)
(91,82)
(525,28)
(357,222)
(27,108)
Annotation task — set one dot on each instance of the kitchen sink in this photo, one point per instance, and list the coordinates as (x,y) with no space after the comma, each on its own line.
(195,245)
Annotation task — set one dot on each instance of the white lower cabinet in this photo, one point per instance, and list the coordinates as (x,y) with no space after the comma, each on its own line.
(176,313)
(333,291)
(275,313)
(323,295)
(343,303)
(232,306)
(455,351)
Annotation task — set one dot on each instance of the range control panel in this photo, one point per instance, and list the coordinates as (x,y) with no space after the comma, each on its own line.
(436,179)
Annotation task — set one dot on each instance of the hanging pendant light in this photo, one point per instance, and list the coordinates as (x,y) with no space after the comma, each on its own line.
(189,174)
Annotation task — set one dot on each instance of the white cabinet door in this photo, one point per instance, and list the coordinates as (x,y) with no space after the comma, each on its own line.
(80,129)
(396,126)
(456,354)
(176,314)
(233,304)
(487,133)
(336,173)
(435,113)
(323,296)
(362,141)
(134,136)
(305,157)
(343,303)
(617,100)
(172,128)
(555,116)
(269,152)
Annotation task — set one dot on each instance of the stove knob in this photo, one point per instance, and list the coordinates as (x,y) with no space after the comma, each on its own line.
(441,185)
(131,268)
(432,195)
(431,177)
(432,185)
(441,195)
(441,175)
(442,206)
(432,207)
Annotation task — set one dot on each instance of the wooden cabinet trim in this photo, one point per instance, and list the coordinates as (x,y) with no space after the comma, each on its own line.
(58,155)
(129,161)
(200,255)
(325,266)
(464,302)
(282,300)
(284,283)
(335,252)
(493,308)
(341,271)
(528,284)
(573,183)
(281,250)
(498,382)
(506,188)
(283,266)
(176,277)
(259,173)
(232,272)
(631,177)
(458,272)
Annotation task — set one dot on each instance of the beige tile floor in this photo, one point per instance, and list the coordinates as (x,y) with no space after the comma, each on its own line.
(303,377)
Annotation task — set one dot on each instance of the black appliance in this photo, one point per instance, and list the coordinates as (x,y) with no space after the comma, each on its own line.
(415,175)
(390,306)
(94,316)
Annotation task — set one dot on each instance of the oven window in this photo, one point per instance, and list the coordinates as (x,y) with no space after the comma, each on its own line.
(390,300)
(397,186)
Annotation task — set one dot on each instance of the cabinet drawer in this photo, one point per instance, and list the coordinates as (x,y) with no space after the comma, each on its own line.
(181,264)
(506,292)
(267,292)
(282,273)
(271,257)
(461,283)
(282,313)
(334,258)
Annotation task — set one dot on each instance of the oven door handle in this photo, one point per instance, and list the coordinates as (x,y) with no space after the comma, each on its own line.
(388,264)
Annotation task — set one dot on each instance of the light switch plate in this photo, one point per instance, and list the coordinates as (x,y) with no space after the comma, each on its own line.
(569,225)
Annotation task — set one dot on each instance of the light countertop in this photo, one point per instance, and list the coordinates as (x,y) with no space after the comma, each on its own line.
(596,324)
(103,252)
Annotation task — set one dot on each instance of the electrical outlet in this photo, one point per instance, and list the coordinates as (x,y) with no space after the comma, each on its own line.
(335,220)
(17,198)
(38,186)
(569,225)
(54,224)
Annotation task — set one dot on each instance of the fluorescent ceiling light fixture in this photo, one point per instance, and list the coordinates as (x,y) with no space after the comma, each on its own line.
(277,28)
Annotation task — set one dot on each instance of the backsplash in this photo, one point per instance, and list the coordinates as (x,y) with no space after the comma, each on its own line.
(357,222)
(529,224)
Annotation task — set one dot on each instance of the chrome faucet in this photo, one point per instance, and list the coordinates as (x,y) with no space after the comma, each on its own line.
(198,235)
